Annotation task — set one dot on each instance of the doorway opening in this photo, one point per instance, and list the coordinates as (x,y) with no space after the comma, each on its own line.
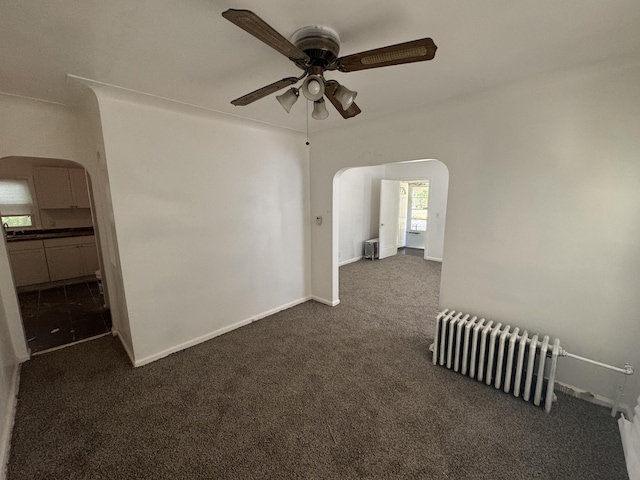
(410,229)
(49,230)
(401,205)
(413,221)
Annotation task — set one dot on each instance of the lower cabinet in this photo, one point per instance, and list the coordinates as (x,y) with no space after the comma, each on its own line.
(71,257)
(28,262)
(65,262)
(41,261)
(90,256)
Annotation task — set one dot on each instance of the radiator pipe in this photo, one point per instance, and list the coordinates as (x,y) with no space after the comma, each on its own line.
(627,369)
(614,410)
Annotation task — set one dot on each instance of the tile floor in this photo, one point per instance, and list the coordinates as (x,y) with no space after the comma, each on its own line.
(64,314)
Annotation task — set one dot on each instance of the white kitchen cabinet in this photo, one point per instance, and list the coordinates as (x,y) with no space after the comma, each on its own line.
(65,262)
(28,262)
(79,189)
(71,257)
(90,257)
(53,188)
(58,187)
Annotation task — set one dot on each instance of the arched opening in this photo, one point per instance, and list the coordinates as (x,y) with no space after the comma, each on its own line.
(53,250)
(359,197)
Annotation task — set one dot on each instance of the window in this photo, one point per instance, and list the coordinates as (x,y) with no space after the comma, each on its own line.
(16,205)
(402,214)
(418,206)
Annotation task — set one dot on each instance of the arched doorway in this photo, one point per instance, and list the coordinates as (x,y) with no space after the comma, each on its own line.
(357,195)
(51,241)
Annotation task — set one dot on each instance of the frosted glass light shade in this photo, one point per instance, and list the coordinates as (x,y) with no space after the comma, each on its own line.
(320,111)
(288,98)
(345,96)
(313,87)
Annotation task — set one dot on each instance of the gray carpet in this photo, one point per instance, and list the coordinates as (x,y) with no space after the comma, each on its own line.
(311,392)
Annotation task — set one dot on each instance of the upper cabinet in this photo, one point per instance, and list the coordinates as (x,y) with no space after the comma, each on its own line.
(58,187)
(53,187)
(79,189)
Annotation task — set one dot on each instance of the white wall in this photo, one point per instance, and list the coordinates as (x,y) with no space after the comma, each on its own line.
(542,215)
(438,176)
(212,219)
(359,190)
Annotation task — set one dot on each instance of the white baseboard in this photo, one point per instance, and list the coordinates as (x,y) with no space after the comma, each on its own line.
(281,308)
(10,415)
(433,259)
(216,333)
(126,347)
(346,262)
(325,301)
(593,398)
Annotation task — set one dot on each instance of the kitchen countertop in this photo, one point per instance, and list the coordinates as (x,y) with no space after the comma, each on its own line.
(21,235)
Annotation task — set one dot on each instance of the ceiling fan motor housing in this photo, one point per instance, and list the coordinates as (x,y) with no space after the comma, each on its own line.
(321,44)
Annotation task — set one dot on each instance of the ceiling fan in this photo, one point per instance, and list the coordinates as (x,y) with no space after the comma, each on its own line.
(314,49)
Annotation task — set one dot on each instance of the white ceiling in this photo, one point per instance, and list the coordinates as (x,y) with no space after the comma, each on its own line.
(186,51)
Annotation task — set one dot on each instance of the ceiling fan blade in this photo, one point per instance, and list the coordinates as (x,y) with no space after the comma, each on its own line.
(329,90)
(408,52)
(253,24)
(264,91)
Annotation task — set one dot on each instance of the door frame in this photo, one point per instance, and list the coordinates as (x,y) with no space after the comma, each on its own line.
(408,222)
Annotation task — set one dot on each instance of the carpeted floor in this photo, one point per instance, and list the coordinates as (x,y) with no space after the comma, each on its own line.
(311,392)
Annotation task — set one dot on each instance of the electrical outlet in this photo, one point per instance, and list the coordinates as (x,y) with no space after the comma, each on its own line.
(319,220)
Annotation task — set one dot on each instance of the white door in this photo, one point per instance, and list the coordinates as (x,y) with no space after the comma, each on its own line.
(388,233)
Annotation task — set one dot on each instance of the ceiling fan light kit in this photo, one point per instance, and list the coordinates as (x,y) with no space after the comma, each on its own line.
(314,49)
(345,96)
(288,98)
(320,111)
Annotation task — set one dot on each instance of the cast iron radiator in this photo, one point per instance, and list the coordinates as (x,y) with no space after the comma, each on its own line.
(497,355)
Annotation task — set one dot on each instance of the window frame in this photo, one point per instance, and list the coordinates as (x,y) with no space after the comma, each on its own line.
(410,205)
(35,212)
